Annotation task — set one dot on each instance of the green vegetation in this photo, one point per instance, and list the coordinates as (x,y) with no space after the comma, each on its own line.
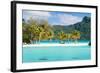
(36,30)
(84,27)
(33,31)
(75,35)
(62,37)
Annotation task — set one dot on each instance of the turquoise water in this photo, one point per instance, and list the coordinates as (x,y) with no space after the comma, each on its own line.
(56,53)
(58,41)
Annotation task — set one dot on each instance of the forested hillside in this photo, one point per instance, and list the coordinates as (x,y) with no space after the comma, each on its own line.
(84,27)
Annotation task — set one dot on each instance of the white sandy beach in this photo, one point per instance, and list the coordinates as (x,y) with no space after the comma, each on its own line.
(70,44)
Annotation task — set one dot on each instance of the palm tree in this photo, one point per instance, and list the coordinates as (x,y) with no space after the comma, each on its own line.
(69,37)
(26,33)
(40,32)
(37,31)
(50,34)
(62,36)
(75,35)
(47,29)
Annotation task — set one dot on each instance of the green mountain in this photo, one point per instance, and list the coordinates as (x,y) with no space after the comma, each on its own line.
(84,27)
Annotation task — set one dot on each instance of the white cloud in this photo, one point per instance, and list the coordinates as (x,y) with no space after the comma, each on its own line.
(69,19)
(36,14)
(40,13)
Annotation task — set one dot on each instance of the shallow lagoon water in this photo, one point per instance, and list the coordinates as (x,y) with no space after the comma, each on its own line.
(55,53)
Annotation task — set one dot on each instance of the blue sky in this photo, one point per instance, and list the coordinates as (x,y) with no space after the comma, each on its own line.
(55,18)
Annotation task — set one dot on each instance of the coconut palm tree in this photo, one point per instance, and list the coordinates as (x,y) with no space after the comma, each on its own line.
(47,29)
(26,33)
(40,33)
(75,35)
(34,29)
(38,30)
(69,37)
(62,36)
(50,34)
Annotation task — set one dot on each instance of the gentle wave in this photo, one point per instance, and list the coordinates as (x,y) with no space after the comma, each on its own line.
(39,45)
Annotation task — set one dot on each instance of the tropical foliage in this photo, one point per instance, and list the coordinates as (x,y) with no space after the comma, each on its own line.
(75,35)
(33,31)
(84,27)
(36,30)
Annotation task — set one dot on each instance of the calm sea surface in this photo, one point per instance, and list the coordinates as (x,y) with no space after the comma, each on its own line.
(55,53)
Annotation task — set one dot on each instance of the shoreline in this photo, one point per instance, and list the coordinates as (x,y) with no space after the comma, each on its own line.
(40,45)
